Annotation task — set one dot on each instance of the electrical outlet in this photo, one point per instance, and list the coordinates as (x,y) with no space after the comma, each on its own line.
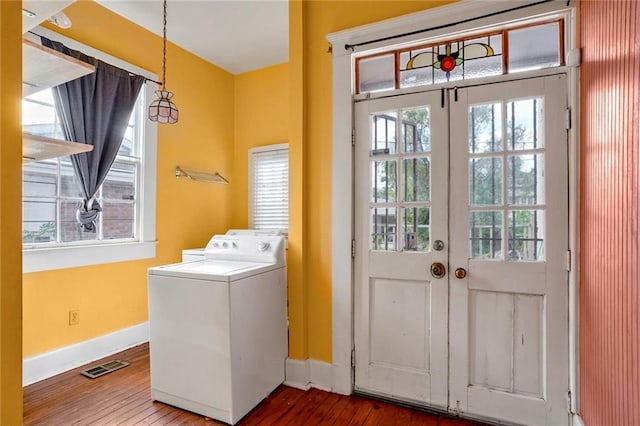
(74,317)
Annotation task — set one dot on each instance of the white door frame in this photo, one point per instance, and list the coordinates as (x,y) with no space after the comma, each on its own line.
(342,165)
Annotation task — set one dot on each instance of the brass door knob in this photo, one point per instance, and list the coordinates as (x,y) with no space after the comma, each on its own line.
(460,273)
(438,270)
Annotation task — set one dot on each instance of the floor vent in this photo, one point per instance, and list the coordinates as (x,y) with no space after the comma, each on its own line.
(102,369)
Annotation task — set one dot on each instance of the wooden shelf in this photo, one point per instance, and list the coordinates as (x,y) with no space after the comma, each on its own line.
(43,67)
(36,148)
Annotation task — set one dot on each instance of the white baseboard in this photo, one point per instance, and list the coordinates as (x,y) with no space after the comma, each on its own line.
(320,375)
(296,374)
(48,364)
(308,373)
(342,379)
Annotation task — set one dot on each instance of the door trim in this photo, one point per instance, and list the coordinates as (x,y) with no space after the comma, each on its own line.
(342,165)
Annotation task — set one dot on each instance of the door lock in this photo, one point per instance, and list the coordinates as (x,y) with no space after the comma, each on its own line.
(438,245)
(438,270)
(460,273)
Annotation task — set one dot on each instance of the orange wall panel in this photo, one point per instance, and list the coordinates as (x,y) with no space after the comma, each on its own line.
(609,296)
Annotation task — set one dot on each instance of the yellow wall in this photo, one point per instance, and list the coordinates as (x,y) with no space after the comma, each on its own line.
(10,219)
(320,18)
(261,118)
(298,333)
(213,135)
(113,296)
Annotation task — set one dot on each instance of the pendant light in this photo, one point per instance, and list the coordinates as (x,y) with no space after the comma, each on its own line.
(162,109)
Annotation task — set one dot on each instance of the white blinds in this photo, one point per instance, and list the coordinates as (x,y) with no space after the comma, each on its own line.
(269,188)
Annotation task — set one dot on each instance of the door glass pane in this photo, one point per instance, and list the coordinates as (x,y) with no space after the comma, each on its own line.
(415,130)
(383,224)
(384,133)
(526,235)
(376,73)
(417,177)
(383,181)
(525,179)
(485,128)
(486,234)
(485,181)
(534,48)
(416,223)
(524,124)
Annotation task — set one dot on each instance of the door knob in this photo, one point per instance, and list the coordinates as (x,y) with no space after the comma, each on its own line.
(438,270)
(460,273)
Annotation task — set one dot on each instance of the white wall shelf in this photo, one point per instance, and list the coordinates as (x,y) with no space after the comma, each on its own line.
(43,67)
(36,148)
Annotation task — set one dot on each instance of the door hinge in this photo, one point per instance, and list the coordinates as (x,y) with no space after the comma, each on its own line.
(569,400)
(353,357)
(568,260)
(353,136)
(353,249)
(568,118)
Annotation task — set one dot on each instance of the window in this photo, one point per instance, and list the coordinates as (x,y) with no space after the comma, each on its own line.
(126,228)
(269,187)
(51,192)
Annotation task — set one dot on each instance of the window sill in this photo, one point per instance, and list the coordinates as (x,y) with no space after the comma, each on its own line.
(46,259)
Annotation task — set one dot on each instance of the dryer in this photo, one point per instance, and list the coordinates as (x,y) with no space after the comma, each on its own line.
(218,327)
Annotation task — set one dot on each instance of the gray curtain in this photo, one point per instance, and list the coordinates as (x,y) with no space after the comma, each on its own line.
(94,110)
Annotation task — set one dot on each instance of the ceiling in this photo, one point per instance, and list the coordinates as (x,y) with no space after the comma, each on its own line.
(236,35)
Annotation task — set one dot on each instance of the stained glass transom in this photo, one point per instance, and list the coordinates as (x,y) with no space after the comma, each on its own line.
(513,50)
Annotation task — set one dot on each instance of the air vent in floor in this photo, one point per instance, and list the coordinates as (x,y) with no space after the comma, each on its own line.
(102,369)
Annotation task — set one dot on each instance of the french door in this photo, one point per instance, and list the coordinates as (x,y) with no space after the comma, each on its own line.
(461,229)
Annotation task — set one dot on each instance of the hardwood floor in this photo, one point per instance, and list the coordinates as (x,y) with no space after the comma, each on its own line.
(123,397)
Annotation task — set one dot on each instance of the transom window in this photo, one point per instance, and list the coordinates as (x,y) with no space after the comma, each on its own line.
(507,51)
(51,193)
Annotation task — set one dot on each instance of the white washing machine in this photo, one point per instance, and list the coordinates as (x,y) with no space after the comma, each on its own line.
(218,327)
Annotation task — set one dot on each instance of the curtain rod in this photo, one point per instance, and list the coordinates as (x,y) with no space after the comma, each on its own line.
(439,27)
(130,73)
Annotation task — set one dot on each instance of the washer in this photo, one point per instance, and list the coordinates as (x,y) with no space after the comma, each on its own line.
(218,327)
(198,253)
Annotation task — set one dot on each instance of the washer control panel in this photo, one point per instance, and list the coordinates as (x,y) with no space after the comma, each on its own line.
(257,248)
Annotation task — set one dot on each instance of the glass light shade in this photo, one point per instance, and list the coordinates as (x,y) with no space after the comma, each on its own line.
(162,109)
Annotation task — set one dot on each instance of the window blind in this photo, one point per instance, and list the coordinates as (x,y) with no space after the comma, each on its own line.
(269,188)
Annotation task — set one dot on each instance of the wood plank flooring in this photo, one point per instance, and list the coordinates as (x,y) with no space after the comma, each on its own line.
(123,397)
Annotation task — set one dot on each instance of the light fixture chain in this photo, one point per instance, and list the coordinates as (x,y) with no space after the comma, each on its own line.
(164,46)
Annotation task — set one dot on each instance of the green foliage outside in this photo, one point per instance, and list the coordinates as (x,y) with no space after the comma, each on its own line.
(486,183)
(46,232)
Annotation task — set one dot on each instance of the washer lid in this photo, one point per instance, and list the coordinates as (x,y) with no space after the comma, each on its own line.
(213,270)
